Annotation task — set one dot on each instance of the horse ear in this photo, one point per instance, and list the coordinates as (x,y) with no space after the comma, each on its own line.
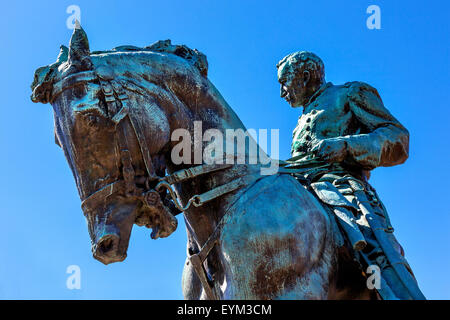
(79,54)
(63,54)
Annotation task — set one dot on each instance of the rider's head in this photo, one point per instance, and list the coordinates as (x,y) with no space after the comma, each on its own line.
(300,75)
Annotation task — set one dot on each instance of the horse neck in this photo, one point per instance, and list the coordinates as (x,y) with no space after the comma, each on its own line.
(218,115)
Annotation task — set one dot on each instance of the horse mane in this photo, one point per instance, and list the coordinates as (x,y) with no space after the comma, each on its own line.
(193,56)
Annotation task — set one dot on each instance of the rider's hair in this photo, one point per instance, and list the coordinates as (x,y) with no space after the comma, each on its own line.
(305,60)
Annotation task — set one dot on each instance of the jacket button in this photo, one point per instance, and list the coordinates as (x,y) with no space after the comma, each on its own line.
(308,120)
(308,138)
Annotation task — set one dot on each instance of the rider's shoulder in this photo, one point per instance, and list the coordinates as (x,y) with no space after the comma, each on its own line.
(358,88)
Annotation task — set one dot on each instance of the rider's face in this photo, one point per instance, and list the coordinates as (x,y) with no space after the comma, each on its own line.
(293,88)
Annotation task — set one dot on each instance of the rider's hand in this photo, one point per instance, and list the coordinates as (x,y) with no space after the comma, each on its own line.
(331,150)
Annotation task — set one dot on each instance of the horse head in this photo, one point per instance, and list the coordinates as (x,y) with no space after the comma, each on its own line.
(113,112)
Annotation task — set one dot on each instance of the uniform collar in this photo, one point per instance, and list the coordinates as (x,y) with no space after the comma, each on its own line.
(318,93)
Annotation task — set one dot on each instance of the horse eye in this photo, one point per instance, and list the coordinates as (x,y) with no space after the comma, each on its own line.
(93,120)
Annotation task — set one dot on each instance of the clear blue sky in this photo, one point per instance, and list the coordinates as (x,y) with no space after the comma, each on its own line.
(43,229)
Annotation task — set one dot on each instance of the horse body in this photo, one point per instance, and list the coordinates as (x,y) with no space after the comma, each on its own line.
(277,249)
(275,241)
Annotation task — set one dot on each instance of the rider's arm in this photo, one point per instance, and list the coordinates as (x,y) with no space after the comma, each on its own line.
(383,140)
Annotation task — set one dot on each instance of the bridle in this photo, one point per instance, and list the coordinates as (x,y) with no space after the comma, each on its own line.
(116,98)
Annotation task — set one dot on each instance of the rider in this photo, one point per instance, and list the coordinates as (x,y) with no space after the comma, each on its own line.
(345,132)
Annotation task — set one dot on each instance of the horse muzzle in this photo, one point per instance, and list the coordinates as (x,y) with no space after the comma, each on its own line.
(107,249)
(111,232)
(110,221)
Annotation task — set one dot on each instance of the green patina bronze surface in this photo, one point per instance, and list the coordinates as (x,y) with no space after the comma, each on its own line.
(309,231)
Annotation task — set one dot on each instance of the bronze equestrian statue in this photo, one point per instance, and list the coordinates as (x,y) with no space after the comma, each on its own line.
(308,231)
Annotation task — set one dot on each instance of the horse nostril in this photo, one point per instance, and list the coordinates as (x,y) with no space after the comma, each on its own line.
(106,245)
(108,251)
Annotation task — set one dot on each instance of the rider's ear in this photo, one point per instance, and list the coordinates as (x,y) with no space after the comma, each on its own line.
(306,77)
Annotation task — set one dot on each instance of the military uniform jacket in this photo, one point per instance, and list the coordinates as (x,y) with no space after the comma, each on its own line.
(353,112)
